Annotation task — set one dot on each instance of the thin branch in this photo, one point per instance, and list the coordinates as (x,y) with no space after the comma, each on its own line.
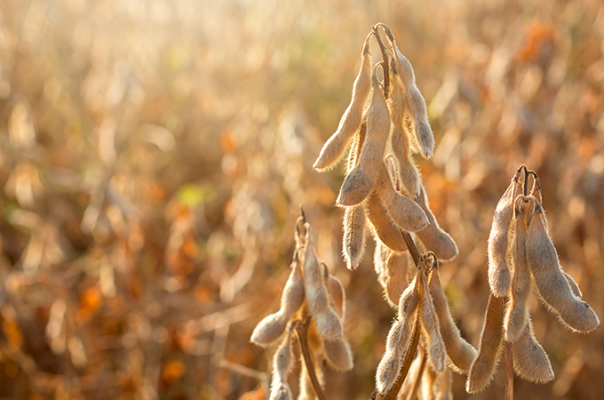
(411,246)
(301,329)
(509,372)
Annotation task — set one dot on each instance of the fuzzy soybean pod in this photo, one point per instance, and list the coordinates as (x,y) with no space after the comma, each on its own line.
(399,339)
(406,213)
(360,180)
(329,324)
(395,271)
(351,120)
(272,326)
(530,360)
(337,351)
(437,353)
(491,339)
(384,229)
(460,352)
(444,385)
(406,169)
(515,316)
(428,385)
(553,286)
(432,236)
(416,114)
(353,245)
(499,272)
(281,365)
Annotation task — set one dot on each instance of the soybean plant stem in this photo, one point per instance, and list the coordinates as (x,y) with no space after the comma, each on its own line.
(509,372)
(302,334)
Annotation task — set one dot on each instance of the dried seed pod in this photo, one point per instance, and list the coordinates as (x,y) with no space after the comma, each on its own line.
(337,295)
(491,340)
(307,391)
(553,286)
(416,114)
(412,376)
(398,341)
(573,285)
(530,360)
(499,273)
(395,276)
(460,352)
(437,353)
(329,324)
(339,355)
(360,180)
(406,213)
(380,256)
(427,388)
(383,227)
(281,366)
(406,168)
(515,317)
(433,237)
(354,236)
(444,385)
(349,124)
(272,326)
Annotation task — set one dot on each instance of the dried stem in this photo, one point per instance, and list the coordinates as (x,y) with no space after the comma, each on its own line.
(509,372)
(301,329)
(411,246)
(418,379)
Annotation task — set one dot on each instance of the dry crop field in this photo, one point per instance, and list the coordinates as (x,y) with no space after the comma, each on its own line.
(155,156)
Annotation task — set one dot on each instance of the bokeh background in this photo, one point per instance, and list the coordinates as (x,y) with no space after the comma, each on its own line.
(154,155)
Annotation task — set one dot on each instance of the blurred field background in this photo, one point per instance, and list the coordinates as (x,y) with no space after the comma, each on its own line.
(154,156)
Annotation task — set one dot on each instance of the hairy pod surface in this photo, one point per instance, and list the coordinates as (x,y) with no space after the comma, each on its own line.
(515,317)
(334,147)
(444,386)
(552,284)
(360,180)
(435,346)
(406,168)
(433,237)
(399,339)
(416,113)
(427,391)
(338,354)
(491,339)
(337,295)
(329,324)
(530,360)
(460,352)
(499,272)
(406,213)
(395,276)
(281,365)
(354,236)
(273,326)
(383,227)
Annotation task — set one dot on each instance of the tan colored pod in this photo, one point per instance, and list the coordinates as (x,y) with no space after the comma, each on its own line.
(491,340)
(552,284)
(406,169)
(433,237)
(499,272)
(307,391)
(573,285)
(530,360)
(416,113)
(460,352)
(427,391)
(338,354)
(281,366)
(515,316)
(337,295)
(360,180)
(395,279)
(329,325)
(405,212)
(351,120)
(435,346)
(412,376)
(398,341)
(444,386)
(383,227)
(353,245)
(273,325)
